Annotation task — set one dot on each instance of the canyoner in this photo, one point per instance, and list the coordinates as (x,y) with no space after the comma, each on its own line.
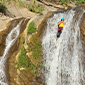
(60,27)
(63,58)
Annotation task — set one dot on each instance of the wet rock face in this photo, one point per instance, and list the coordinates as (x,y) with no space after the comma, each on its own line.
(5,32)
(82,29)
(82,26)
(78,11)
(43,24)
(25,77)
(17,44)
(10,64)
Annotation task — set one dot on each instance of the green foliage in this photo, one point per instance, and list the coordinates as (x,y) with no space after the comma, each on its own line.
(34,6)
(80,2)
(23,40)
(30,47)
(21,3)
(2,8)
(23,50)
(40,64)
(63,1)
(36,9)
(37,48)
(6,2)
(35,53)
(23,60)
(38,0)
(33,69)
(31,28)
(66,2)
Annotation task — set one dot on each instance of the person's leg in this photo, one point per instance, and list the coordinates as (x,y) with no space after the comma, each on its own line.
(60,31)
(58,34)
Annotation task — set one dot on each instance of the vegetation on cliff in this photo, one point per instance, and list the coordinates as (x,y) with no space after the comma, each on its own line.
(35,44)
(24,61)
(31,28)
(3,8)
(77,2)
(36,47)
(31,62)
(65,2)
(33,6)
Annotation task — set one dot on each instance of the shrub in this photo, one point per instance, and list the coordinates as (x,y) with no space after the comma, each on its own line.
(33,69)
(21,3)
(23,40)
(37,50)
(31,28)
(80,2)
(40,64)
(35,7)
(37,47)
(30,47)
(23,60)
(3,8)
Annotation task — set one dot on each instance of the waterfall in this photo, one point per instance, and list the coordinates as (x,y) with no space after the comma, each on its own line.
(63,57)
(10,40)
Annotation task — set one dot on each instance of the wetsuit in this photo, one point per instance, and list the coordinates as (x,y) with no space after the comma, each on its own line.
(60,28)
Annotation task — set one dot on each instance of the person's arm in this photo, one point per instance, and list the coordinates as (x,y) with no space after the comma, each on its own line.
(59,22)
(64,23)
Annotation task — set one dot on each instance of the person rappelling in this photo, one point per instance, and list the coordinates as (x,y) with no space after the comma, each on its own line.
(60,27)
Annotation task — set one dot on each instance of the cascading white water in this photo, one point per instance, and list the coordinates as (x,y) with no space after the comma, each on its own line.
(10,40)
(62,58)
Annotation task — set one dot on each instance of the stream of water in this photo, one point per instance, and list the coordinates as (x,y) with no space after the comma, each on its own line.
(10,40)
(63,57)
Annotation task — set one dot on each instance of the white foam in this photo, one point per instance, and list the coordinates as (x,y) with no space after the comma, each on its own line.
(62,58)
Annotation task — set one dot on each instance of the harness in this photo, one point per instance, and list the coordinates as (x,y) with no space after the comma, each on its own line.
(60,28)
